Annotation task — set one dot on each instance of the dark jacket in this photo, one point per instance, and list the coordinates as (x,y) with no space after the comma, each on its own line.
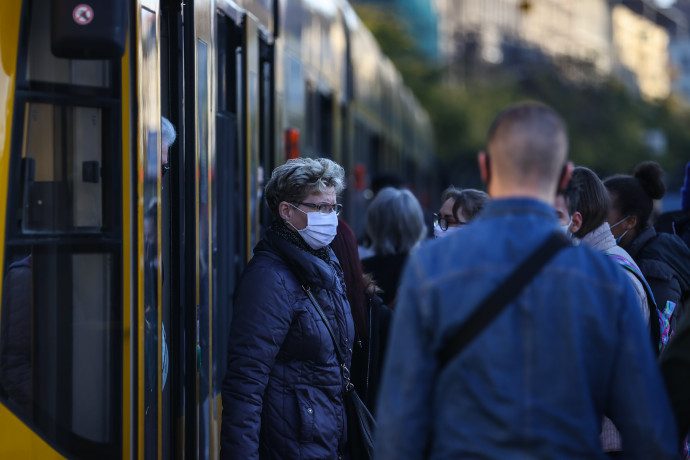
(675,222)
(15,336)
(368,354)
(665,262)
(570,348)
(386,270)
(675,367)
(283,391)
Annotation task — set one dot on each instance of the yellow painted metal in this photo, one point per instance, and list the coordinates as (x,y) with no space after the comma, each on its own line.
(10,13)
(139,263)
(127,247)
(18,441)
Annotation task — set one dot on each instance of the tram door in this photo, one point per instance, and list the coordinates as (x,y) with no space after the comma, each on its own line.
(233,214)
(63,377)
(228,234)
(154,340)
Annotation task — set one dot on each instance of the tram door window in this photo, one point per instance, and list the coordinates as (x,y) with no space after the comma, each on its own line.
(155,341)
(266,130)
(228,243)
(61,326)
(171,400)
(319,121)
(203,242)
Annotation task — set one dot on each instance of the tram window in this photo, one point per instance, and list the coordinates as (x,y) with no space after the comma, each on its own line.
(42,66)
(64,190)
(325,123)
(60,346)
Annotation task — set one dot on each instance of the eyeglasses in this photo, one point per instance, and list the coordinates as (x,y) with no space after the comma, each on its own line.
(324,209)
(443,223)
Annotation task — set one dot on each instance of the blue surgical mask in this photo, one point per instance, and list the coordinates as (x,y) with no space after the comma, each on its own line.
(618,240)
(566,228)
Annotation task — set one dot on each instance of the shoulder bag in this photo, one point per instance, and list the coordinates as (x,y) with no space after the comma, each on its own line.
(498,300)
(360,422)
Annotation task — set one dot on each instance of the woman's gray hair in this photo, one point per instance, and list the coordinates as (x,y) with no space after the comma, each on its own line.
(395,221)
(471,201)
(298,178)
(168,134)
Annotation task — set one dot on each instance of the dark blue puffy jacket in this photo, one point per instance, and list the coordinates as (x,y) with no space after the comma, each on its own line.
(283,391)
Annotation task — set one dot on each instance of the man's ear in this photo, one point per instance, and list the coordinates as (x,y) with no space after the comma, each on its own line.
(284,210)
(576,224)
(631,222)
(484,171)
(565,176)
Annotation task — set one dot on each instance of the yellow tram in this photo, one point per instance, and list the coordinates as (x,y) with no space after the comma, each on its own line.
(121,248)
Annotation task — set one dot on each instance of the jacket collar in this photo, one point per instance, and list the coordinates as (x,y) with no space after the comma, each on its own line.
(318,272)
(516,206)
(600,238)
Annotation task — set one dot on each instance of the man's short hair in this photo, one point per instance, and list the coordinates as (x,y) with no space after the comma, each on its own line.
(527,142)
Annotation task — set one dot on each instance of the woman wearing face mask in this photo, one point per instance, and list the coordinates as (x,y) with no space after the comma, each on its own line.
(283,391)
(663,258)
(459,207)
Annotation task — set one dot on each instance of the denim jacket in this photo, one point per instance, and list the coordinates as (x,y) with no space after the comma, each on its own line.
(569,349)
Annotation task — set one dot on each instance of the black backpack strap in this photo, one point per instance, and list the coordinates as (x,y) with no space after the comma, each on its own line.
(654,323)
(496,302)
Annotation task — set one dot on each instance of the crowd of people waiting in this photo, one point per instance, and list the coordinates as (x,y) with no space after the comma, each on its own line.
(546,319)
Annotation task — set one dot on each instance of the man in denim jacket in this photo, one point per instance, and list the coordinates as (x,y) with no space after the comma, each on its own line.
(569,349)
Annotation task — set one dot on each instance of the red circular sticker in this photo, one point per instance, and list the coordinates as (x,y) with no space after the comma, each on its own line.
(82,14)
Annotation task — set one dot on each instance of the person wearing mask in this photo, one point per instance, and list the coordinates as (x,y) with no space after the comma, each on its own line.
(283,391)
(459,208)
(395,225)
(663,258)
(569,347)
(584,217)
(582,210)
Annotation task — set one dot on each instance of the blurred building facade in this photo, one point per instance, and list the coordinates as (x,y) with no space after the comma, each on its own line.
(420,19)
(505,30)
(583,38)
(641,52)
(679,50)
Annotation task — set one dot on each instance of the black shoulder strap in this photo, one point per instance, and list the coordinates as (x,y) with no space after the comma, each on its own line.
(496,302)
(307,289)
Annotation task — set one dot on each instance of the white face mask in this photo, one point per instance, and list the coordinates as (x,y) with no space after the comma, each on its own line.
(439,233)
(320,229)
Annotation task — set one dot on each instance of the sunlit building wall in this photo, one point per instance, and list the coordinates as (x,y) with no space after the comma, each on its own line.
(575,29)
(641,51)
(558,28)
(488,24)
